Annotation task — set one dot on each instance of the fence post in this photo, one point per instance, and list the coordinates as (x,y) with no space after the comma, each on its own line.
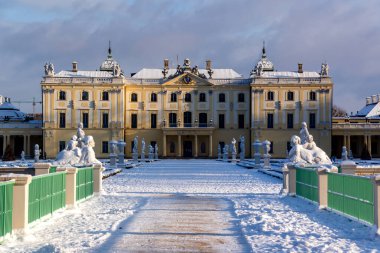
(71,187)
(98,177)
(285,179)
(20,201)
(41,168)
(376,201)
(348,167)
(292,180)
(322,187)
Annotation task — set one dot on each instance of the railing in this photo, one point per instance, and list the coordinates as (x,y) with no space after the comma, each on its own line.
(307,184)
(356,126)
(84,183)
(188,125)
(6,207)
(351,195)
(47,193)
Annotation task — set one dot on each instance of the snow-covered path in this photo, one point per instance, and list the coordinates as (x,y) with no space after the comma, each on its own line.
(150,204)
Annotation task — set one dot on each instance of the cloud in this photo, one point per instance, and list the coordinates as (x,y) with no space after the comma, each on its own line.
(143,33)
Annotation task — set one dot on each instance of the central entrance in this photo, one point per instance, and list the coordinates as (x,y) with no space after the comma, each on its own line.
(187,149)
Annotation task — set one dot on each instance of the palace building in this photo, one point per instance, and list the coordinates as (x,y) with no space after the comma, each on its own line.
(188,110)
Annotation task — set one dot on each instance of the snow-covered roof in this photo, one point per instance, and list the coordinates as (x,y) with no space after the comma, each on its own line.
(285,74)
(95,73)
(369,111)
(10,112)
(157,73)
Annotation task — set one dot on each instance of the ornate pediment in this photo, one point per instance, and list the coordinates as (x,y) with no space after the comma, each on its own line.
(188,79)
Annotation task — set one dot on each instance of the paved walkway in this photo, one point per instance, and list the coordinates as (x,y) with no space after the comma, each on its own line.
(179,223)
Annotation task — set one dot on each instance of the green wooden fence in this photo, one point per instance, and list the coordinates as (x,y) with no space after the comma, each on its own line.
(84,183)
(53,169)
(6,207)
(351,195)
(307,183)
(47,193)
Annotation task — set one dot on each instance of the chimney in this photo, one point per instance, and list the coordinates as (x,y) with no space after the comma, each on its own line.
(75,66)
(166,64)
(374,99)
(300,70)
(208,64)
(367,100)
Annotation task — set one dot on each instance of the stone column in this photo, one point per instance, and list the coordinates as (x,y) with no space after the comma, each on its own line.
(376,204)
(369,145)
(164,146)
(24,144)
(71,189)
(322,187)
(98,178)
(292,180)
(196,146)
(179,146)
(41,168)
(210,146)
(27,151)
(20,201)
(4,143)
(257,155)
(285,179)
(349,143)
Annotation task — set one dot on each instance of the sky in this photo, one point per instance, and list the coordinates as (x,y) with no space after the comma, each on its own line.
(343,33)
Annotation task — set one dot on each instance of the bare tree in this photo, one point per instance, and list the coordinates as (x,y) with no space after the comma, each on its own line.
(338,111)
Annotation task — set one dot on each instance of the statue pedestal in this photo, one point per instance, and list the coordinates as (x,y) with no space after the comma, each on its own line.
(143,157)
(135,157)
(234,157)
(219,156)
(155,156)
(121,159)
(267,161)
(257,160)
(225,157)
(113,159)
(242,156)
(150,156)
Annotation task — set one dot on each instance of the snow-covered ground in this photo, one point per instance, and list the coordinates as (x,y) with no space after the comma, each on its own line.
(267,220)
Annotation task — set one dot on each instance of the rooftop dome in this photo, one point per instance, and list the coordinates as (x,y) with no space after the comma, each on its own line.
(110,64)
(9,112)
(263,65)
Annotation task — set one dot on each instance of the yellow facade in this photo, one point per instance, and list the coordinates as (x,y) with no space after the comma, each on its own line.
(191,124)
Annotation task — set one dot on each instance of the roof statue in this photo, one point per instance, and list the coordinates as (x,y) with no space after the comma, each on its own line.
(186,68)
(49,69)
(263,65)
(110,64)
(324,69)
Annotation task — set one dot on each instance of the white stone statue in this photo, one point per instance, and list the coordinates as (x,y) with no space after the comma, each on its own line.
(226,149)
(266,147)
(143,146)
(114,147)
(233,143)
(22,155)
(324,69)
(304,133)
(71,154)
(156,151)
(37,153)
(135,144)
(344,153)
(80,134)
(88,153)
(49,69)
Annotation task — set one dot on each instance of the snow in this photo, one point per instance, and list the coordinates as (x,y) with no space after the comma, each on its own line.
(245,208)
(281,74)
(157,73)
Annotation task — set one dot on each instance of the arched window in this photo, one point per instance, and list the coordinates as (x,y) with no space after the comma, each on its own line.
(187,97)
(172,147)
(222,97)
(62,95)
(173,97)
(313,95)
(134,97)
(202,97)
(203,147)
(153,97)
(241,97)
(270,96)
(105,96)
(290,96)
(84,95)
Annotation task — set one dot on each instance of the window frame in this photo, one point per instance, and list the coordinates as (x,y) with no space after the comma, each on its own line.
(83,98)
(105,96)
(153,97)
(312,96)
(241,97)
(62,94)
(288,96)
(173,97)
(188,97)
(270,96)
(223,96)
(134,97)
(202,97)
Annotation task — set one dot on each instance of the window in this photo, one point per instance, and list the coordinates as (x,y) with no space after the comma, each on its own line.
(312,120)
(221,120)
(105,120)
(62,95)
(153,97)
(134,121)
(104,147)
(241,97)
(241,120)
(187,97)
(222,97)
(290,120)
(62,120)
(62,145)
(270,96)
(187,119)
(85,95)
(203,119)
(202,97)
(105,97)
(85,119)
(271,148)
(172,119)
(270,120)
(133,97)
(172,147)
(290,96)
(173,97)
(153,120)
(312,96)
(203,147)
